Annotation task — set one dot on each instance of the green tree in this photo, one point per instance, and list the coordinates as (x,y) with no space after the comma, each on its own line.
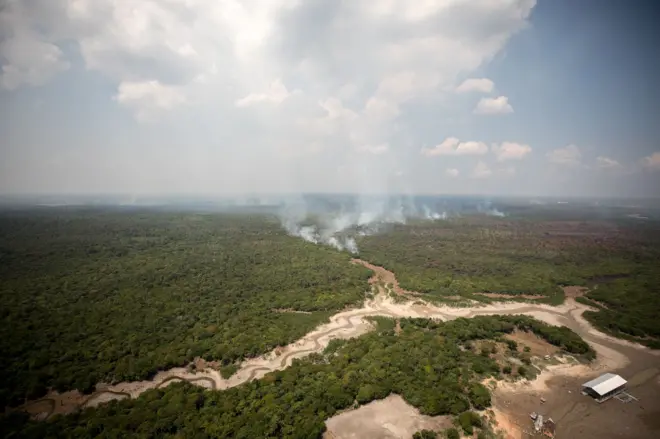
(425,434)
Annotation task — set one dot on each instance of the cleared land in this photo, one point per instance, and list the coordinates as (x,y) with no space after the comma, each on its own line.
(389,418)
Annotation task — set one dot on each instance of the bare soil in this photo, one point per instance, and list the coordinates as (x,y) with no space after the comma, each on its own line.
(537,345)
(387,418)
(384,276)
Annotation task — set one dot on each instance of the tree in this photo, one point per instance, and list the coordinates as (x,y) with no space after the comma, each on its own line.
(425,434)
(452,433)
(479,396)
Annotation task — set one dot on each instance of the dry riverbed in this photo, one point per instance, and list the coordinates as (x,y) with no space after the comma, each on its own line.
(613,355)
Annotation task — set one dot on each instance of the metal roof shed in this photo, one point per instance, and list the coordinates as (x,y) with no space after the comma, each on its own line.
(604,385)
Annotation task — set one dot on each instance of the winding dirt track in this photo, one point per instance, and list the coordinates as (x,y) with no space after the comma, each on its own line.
(345,325)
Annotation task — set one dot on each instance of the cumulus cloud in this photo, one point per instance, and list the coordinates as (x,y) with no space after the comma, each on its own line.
(652,162)
(29,61)
(373,149)
(452,172)
(498,105)
(453,146)
(607,163)
(569,156)
(482,85)
(276,94)
(481,170)
(511,151)
(361,68)
(149,97)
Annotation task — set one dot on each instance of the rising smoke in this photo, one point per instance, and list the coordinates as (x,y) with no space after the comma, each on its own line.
(337,223)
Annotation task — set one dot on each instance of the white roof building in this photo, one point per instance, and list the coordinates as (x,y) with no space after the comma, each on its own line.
(605,384)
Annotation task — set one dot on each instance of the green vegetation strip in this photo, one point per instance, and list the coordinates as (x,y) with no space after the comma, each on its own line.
(428,363)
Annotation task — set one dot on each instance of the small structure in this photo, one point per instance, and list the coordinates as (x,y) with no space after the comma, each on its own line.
(604,387)
(538,423)
(549,428)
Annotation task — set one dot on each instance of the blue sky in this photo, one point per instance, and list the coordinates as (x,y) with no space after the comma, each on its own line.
(509,97)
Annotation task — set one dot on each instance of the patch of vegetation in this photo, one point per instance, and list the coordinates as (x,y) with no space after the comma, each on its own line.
(227,371)
(628,308)
(468,421)
(425,434)
(535,252)
(513,256)
(91,295)
(426,363)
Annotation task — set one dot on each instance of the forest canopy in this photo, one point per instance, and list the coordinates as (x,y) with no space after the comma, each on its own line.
(532,254)
(429,363)
(90,295)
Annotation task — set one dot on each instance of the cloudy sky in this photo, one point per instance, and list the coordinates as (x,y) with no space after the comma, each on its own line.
(547,97)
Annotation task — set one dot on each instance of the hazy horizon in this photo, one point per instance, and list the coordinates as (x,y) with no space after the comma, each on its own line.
(510,98)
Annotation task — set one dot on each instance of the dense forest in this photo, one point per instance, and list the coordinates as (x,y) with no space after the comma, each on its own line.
(528,255)
(431,364)
(91,295)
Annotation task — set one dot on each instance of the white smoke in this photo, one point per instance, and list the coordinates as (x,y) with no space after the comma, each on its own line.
(488,209)
(358,217)
(430,215)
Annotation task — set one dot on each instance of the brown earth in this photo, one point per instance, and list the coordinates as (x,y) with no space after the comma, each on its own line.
(574,291)
(389,418)
(537,345)
(384,276)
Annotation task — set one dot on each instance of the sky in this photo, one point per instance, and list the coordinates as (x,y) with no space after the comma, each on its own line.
(493,97)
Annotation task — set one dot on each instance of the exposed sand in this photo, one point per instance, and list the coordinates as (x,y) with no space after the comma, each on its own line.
(506,426)
(387,418)
(351,323)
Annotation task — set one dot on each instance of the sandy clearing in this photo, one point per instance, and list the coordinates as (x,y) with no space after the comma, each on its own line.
(536,344)
(389,418)
(506,426)
(103,398)
(351,323)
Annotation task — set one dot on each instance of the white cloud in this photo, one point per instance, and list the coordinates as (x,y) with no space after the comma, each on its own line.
(482,85)
(453,146)
(569,155)
(29,61)
(363,70)
(149,97)
(498,105)
(481,170)
(607,163)
(452,172)
(652,162)
(509,171)
(373,149)
(276,94)
(511,151)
